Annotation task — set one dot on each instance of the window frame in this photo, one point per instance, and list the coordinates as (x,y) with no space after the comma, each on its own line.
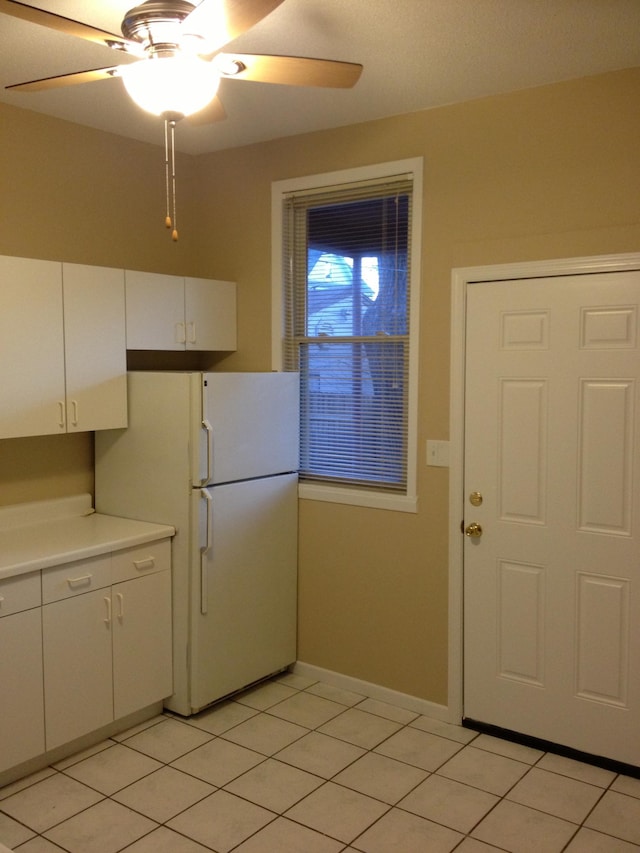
(357,495)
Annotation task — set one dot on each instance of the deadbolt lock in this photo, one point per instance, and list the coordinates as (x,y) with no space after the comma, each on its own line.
(475,498)
(474,530)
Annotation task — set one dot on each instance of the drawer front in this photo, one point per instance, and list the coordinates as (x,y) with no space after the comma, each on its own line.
(141,560)
(76,578)
(20,593)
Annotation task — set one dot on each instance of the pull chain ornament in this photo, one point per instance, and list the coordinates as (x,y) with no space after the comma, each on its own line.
(170,182)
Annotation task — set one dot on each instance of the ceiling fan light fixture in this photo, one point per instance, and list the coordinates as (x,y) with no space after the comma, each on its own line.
(176,85)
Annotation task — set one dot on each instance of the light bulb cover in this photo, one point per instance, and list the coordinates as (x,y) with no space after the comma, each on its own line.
(172,85)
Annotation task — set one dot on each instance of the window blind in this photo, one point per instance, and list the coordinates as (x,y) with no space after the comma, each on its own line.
(347,278)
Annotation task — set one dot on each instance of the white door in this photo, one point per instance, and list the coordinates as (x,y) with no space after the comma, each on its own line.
(78,687)
(95,347)
(141,616)
(155,311)
(22,729)
(552,476)
(244,604)
(210,314)
(252,422)
(31,348)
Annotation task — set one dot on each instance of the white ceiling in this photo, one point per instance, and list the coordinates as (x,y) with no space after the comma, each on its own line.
(416,54)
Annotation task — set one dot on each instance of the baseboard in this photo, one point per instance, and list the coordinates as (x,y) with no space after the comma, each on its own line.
(373,691)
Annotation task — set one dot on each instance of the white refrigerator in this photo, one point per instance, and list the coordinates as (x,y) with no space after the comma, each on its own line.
(215,455)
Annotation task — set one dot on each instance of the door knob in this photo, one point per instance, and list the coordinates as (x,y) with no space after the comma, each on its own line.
(474,530)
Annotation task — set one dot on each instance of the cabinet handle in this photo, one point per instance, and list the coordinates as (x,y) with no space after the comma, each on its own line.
(80,581)
(1,600)
(61,414)
(191,326)
(147,563)
(120,598)
(180,333)
(74,413)
(107,602)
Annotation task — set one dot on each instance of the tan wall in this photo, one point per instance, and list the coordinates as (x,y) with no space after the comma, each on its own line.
(75,194)
(550,172)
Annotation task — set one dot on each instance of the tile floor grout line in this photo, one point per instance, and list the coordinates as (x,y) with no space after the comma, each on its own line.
(324,781)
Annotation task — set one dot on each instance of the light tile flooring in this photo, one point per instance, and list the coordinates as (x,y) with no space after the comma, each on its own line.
(295,766)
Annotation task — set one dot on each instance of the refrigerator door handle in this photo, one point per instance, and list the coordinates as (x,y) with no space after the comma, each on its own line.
(205,551)
(209,438)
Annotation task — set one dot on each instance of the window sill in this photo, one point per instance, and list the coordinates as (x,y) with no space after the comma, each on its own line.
(358,497)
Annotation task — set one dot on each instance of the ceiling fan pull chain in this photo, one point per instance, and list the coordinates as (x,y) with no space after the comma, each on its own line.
(174,233)
(167,220)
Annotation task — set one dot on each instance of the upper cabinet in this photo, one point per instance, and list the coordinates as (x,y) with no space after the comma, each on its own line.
(95,347)
(32,347)
(166,312)
(210,313)
(65,329)
(63,365)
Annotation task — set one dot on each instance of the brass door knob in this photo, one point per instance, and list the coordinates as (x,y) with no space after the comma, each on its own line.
(474,530)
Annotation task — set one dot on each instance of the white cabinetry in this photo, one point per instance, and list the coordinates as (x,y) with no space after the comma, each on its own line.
(107,644)
(63,366)
(32,346)
(76,630)
(95,348)
(166,312)
(142,638)
(22,728)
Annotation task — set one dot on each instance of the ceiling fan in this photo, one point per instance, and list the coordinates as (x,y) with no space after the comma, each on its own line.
(170,54)
(170,59)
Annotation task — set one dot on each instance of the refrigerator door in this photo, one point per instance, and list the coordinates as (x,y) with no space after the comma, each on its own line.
(249,427)
(244,591)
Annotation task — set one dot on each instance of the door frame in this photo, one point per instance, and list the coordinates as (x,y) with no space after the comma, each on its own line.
(461,278)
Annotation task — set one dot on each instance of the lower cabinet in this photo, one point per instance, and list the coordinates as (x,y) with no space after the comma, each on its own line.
(142,648)
(82,645)
(107,646)
(22,726)
(77,666)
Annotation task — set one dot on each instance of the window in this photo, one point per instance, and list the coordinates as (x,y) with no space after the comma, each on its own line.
(347,265)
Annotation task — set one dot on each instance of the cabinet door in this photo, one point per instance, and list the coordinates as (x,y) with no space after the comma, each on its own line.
(77,666)
(22,728)
(142,662)
(32,348)
(155,311)
(210,313)
(95,347)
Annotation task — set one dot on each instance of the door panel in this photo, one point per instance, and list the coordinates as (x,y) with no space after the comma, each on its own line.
(254,419)
(244,604)
(77,666)
(95,347)
(552,607)
(141,642)
(32,366)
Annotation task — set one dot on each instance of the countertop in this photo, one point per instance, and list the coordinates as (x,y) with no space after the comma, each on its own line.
(48,533)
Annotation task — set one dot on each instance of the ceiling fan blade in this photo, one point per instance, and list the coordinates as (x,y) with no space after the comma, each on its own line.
(57,22)
(214,111)
(289,70)
(65,80)
(221,21)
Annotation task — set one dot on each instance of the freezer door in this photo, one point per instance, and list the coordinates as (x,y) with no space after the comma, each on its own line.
(250,425)
(244,592)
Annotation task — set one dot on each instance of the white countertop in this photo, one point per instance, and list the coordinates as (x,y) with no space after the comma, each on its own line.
(49,533)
